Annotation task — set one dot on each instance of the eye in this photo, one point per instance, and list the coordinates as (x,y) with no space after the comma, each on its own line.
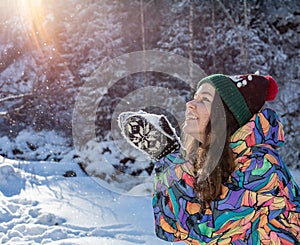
(205,99)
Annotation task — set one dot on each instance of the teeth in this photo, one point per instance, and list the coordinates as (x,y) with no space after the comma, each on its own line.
(191,116)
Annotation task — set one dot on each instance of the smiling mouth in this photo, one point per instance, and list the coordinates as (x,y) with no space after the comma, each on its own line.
(191,117)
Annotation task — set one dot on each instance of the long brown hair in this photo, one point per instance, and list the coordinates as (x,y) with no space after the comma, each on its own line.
(208,182)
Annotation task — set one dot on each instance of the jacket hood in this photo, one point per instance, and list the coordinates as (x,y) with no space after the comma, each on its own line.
(263,128)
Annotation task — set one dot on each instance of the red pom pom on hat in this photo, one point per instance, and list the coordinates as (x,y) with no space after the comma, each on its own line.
(272,89)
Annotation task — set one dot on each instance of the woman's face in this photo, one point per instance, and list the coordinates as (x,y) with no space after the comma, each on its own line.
(198,112)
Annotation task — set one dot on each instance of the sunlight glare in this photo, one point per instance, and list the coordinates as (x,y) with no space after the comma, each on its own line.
(33,17)
(30,10)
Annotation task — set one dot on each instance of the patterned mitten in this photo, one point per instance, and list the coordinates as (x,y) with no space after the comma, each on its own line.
(150,133)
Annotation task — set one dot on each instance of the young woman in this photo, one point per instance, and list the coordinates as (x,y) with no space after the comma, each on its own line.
(246,195)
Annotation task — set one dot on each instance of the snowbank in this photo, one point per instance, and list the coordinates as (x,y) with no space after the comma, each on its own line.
(120,171)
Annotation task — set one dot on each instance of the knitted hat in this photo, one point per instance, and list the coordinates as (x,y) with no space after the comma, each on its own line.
(244,95)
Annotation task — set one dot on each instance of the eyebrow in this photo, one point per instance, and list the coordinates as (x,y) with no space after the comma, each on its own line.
(207,93)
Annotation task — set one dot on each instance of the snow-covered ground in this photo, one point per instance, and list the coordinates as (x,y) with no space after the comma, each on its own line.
(38,205)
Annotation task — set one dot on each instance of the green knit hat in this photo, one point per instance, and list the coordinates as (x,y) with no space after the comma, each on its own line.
(244,95)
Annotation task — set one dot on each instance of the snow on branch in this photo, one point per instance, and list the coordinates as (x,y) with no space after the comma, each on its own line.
(13,97)
(3,113)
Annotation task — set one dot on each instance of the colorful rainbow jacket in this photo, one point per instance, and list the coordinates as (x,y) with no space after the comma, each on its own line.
(260,205)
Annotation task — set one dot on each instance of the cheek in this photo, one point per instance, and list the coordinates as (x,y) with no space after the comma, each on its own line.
(204,117)
(202,124)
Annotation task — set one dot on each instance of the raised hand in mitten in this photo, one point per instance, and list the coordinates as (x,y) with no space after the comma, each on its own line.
(150,133)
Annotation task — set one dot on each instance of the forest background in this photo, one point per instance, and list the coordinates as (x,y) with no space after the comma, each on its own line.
(49,49)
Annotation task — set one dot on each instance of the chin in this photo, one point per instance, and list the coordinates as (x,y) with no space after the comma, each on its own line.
(186,128)
(190,128)
(192,134)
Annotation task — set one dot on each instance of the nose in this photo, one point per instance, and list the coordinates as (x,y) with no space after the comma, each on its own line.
(190,104)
